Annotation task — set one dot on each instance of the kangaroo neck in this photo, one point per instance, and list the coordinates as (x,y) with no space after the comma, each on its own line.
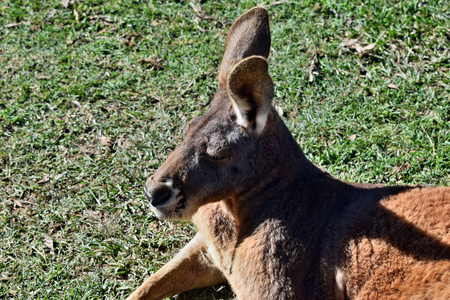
(279,183)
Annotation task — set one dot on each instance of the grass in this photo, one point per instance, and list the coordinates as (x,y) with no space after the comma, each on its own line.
(95,95)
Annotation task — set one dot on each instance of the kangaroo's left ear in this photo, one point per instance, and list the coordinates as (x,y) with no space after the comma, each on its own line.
(249,35)
(251,90)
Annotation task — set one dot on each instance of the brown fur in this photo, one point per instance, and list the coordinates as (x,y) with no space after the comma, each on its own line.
(275,226)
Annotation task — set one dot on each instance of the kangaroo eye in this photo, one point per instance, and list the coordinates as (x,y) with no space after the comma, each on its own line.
(216,156)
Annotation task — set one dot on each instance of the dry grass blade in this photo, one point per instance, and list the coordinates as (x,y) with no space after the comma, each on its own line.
(277,3)
(48,241)
(392,86)
(65,3)
(10,25)
(155,64)
(354,44)
(77,16)
(314,66)
(101,19)
(45,179)
(105,141)
(200,13)
(352,137)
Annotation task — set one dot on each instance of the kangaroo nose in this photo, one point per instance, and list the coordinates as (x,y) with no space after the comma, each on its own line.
(158,193)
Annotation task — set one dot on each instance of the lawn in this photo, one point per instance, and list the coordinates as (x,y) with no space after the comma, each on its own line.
(95,94)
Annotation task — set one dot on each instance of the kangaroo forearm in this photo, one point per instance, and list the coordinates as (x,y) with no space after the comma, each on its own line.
(186,271)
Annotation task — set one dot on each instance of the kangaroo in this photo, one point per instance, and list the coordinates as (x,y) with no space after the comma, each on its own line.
(271,223)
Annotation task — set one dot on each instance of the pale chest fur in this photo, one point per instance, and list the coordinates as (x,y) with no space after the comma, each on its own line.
(257,265)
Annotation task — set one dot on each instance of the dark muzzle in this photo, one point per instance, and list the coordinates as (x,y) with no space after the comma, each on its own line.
(158,193)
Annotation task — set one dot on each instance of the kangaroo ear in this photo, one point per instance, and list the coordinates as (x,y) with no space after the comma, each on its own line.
(249,35)
(250,89)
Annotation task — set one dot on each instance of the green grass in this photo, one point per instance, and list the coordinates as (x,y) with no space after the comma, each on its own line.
(95,96)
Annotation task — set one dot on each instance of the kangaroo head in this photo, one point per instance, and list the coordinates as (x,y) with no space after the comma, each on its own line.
(221,154)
